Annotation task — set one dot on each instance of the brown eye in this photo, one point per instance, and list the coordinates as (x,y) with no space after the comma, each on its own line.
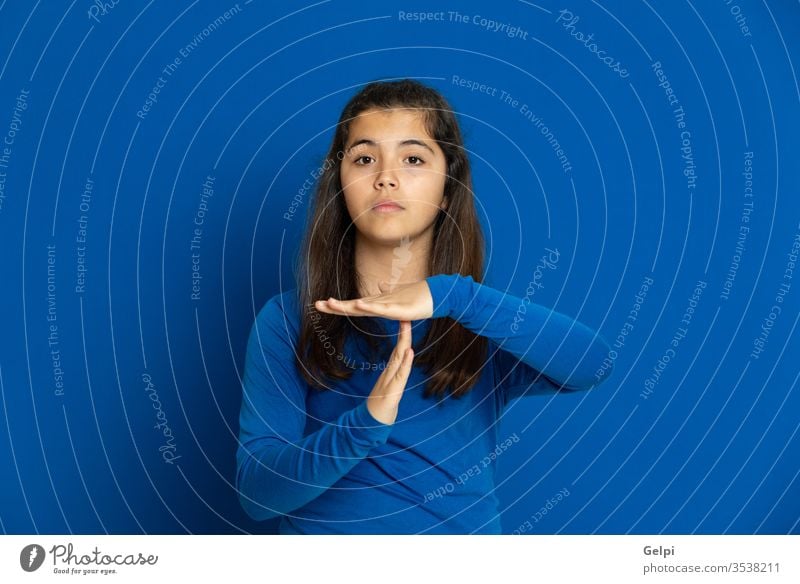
(356,161)
(411,158)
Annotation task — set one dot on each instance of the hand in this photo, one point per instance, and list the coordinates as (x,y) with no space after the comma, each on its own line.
(406,302)
(384,399)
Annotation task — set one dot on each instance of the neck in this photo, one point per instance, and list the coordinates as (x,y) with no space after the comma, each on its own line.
(403,262)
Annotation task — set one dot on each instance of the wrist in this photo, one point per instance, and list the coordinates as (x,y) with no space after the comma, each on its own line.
(370,430)
(450,293)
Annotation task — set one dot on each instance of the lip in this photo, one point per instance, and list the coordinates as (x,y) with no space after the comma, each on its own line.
(387,207)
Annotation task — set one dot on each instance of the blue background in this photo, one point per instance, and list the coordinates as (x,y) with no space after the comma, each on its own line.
(712,449)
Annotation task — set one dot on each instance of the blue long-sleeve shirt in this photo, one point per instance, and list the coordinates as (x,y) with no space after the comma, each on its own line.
(322,461)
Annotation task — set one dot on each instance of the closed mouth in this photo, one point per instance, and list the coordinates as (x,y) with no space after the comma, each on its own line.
(387,206)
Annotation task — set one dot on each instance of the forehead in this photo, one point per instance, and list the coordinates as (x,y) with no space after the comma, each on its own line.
(391,125)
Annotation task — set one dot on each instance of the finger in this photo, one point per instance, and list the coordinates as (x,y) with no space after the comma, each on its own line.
(404,336)
(359,307)
(379,308)
(341,307)
(323,306)
(362,307)
(402,373)
(387,377)
(395,378)
(403,343)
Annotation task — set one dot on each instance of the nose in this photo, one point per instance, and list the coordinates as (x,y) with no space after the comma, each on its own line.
(385,178)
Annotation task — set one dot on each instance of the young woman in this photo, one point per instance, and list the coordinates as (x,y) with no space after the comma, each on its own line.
(341,432)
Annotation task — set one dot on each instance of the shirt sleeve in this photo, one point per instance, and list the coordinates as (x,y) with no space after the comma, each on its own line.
(541,351)
(278,468)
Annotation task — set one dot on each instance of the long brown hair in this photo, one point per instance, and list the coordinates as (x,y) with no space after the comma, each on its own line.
(451,356)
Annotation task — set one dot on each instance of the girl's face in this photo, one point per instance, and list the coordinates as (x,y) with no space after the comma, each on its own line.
(391,159)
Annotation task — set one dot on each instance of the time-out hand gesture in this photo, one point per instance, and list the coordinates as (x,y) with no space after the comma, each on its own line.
(406,302)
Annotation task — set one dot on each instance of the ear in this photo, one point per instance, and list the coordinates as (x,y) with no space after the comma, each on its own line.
(445,203)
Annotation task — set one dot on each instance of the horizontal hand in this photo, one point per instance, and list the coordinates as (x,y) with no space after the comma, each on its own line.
(406,302)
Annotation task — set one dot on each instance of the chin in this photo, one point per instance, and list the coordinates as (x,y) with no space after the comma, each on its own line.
(387,235)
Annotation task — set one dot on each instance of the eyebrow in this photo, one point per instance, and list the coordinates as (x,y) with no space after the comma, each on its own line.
(408,142)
